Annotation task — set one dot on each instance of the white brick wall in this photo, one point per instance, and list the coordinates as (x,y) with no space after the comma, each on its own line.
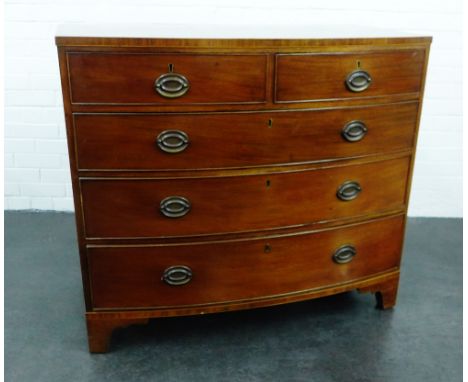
(37,175)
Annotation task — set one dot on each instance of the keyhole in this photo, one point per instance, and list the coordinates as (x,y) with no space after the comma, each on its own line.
(267,248)
(171,68)
(268,183)
(270,123)
(358,64)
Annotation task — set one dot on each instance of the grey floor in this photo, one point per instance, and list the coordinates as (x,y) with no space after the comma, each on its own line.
(340,338)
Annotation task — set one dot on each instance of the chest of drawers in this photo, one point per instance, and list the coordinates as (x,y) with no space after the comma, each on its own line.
(219,174)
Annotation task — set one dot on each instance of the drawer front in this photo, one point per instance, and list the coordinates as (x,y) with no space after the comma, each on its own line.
(155,276)
(118,208)
(309,77)
(217,140)
(125,78)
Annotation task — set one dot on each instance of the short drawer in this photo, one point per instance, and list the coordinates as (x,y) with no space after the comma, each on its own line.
(223,140)
(310,77)
(209,273)
(144,78)
(119,208)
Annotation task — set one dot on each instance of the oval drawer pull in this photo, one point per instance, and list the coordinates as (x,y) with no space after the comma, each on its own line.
(354,131)
(344,254)
(177,275)
(172,141)
(175,206)
(172,85)
(358,81)
(348,191)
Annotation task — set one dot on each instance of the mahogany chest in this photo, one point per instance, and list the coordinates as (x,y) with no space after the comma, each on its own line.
(216,174)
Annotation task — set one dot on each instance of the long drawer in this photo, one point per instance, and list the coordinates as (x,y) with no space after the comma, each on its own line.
(222,140)
(144,78)
(206,273)
(310,77)
(119,208)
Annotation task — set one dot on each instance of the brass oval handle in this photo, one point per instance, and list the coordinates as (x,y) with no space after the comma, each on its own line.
(171,85)
(175,206)
(348,191)
(172,141)
(344,254)
(354,131)
(177,275)
(358,81)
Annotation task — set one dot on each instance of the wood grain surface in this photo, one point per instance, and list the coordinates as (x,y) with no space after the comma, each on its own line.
(131,277)
(302,77)
(117,208)
(128,78)
(224,140)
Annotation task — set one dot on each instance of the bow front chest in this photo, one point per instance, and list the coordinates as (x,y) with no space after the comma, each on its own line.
(220,174)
